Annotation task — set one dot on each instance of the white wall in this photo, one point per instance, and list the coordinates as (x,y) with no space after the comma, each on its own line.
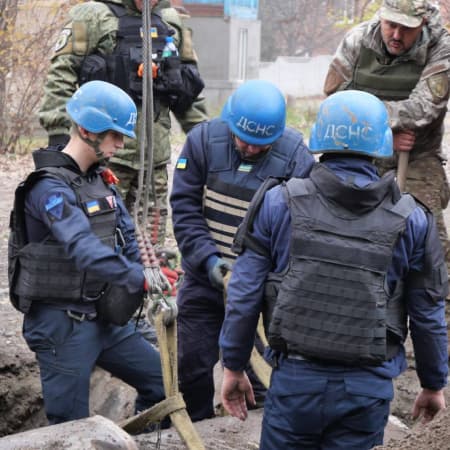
(297,76)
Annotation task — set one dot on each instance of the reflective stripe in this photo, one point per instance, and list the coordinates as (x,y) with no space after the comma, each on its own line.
(221,238)
(213,225)
(225,209)
(218,201)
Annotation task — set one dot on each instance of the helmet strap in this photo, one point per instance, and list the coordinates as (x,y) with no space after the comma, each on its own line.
(95,144)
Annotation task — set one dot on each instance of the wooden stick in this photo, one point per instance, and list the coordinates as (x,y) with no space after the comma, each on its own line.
(402,169)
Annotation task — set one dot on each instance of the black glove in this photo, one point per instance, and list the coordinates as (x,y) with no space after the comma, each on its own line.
(58,139)
(217,269)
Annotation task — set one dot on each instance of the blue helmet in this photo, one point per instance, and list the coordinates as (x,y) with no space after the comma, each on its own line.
(256,112)
(352,122)
(99,106)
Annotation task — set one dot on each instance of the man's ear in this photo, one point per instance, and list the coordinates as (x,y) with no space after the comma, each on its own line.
(82,131)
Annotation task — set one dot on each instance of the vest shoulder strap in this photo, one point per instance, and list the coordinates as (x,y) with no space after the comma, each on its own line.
(296,187)
(17,217)
(243,238)
(405,205)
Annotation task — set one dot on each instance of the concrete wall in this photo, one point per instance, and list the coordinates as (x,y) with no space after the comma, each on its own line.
(217,44)
(252,51)
(211,42)
(297,77)
(223,56)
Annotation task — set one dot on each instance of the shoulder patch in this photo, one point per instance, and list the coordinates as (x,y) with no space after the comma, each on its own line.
(63,40)
(54,206)
(181,164)
(438,85)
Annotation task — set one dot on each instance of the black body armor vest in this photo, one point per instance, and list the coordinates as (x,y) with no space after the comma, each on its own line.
(41,271)
(121,67)
(333,303)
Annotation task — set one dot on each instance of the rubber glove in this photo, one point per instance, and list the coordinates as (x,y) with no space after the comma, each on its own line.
(217,268)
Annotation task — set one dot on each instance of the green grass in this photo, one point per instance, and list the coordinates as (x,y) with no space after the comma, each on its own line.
(302,115)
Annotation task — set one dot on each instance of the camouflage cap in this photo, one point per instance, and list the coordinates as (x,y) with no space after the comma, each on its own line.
(409,13)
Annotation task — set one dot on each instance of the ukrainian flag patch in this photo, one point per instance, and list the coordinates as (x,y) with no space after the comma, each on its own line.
(182,163)
(93,206)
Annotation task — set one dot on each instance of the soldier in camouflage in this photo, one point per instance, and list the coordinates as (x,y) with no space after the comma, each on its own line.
(94,30)
(403,56)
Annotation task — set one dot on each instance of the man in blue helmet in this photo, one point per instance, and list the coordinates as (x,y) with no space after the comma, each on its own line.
(74,264)
(222,164)
(355,260)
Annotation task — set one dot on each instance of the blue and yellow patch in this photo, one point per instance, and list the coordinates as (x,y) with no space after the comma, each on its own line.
(93,206)
(181,164)
(55,206)
(100,205)
(153,32)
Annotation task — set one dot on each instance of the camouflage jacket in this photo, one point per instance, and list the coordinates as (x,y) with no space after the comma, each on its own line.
(92,28)
(424,110)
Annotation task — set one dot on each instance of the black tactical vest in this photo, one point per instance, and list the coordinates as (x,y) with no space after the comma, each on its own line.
(40,271)
(121,67)
(333,303)
(230,190)
(387,79)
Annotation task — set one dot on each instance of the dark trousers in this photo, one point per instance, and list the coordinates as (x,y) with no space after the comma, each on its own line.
(67,351)
(310,407)
(200,315)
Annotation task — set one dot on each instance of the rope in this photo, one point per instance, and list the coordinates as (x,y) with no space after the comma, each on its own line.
(164,310)
(146,132)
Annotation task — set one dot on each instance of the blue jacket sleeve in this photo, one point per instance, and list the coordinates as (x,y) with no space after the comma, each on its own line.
(73,231)
(191,230)
(426,314)
(246,287)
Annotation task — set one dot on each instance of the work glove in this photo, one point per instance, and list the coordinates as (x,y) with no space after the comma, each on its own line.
(172,276)
(217,269)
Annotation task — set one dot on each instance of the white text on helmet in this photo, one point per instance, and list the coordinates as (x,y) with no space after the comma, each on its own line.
(132,119)
(252,127)
(347,132)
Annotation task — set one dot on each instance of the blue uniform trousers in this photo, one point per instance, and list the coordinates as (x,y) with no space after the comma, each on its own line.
(315,407)
(201,312)
(67,351)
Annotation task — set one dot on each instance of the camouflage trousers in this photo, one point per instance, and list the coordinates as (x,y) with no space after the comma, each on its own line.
(427,181)
(157,212)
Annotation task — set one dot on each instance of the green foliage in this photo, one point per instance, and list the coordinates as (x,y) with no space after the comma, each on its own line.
(302,115)
(370,10)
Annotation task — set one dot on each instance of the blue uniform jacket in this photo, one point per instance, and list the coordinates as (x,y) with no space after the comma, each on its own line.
(73,231)
(272,228)
(191,230)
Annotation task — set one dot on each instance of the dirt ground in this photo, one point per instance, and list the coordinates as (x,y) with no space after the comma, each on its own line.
(21,406)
